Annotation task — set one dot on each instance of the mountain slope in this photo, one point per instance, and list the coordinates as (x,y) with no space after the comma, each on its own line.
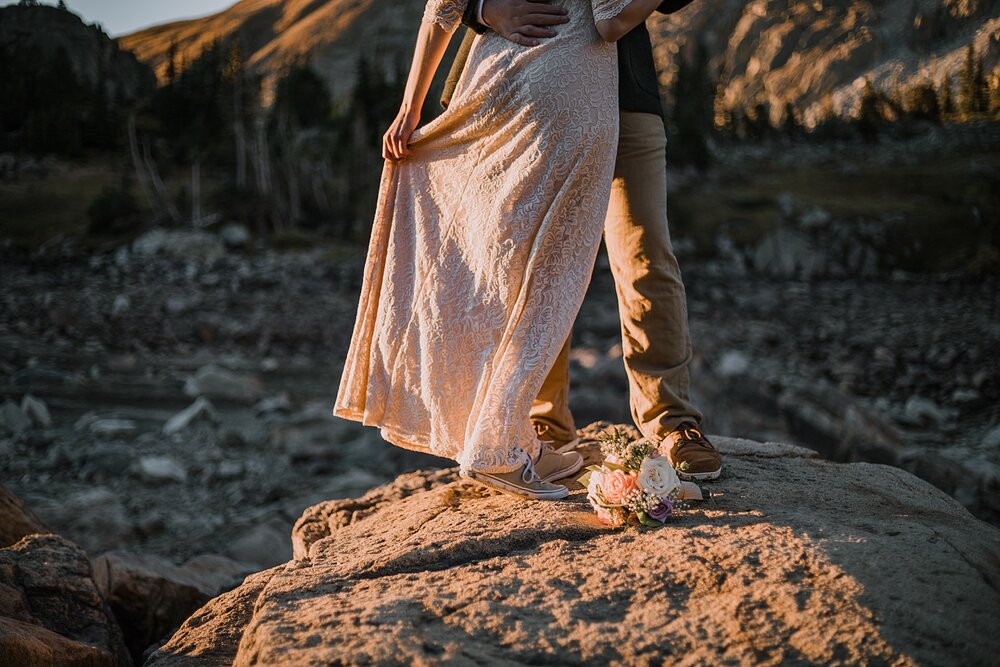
(331,34)
(813,53)
(94,56)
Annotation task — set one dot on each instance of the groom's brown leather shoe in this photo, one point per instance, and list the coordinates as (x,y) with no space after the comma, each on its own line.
(691,454)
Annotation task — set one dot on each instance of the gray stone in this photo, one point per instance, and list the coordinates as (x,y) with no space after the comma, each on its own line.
(182,243)
(815,218)
(216,382)
(920,411)
(228,470)
(201,410)
(732,363)
(161,470)
(991,439)
(234,235)
(121,305)
(110,459)
(113,428)
(279,402)
(965,396)
(216,573)
(176,305)
(13,419)
(94,518)
(788,253)
(36,410)
(263,545)
(787,204)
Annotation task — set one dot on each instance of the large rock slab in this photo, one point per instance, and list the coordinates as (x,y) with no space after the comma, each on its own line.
(149,595)
(794,560)
(16,519)
(51,612)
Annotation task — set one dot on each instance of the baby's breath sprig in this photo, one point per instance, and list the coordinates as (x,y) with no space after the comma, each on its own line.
(614,441)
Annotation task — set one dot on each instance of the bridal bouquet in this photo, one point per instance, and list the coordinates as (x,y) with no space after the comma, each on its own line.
(635,485)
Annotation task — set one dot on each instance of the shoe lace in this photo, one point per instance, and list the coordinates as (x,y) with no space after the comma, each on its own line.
(690,435)
(529,474)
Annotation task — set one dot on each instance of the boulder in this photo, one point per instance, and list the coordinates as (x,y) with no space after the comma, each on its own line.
(234,235)
(36,410)
(12,418)
(794,559)
(216,382)
(149,595)
(263,545)
(201,410)
(51,612)
(16,519)
(114,428)
(93,518)
(160,470)
(216,573)
(181,243)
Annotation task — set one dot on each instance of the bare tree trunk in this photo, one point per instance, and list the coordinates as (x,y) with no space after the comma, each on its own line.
(262,162)
(240,134)
(196,192)
(319,178)
(292,165)
(140,171)
(241,154)
(161,191)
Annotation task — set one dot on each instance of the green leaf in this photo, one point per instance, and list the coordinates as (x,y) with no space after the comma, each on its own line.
(584,479)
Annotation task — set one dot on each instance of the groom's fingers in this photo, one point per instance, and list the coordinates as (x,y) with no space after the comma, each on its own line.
(523,40)
(536,31)
(518,38)
(536,17)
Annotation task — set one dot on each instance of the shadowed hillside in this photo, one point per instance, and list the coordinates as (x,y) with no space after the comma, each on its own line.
(812,53)
(328,33)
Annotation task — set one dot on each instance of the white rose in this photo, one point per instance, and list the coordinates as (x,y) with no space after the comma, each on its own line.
(658,477)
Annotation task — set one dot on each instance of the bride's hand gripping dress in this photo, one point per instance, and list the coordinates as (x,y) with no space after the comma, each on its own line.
(484,240)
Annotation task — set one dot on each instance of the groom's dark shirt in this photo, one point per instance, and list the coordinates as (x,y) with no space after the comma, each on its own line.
(638,89)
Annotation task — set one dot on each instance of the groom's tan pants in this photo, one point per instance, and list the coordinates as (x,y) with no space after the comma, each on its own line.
(656,345)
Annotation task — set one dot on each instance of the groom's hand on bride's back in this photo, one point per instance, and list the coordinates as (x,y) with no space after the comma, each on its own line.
(524,22)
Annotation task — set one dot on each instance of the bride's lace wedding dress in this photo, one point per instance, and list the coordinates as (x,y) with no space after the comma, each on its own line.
(484,242)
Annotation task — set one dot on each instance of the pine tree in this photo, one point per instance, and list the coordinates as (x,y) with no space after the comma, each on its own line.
(993,96)
(920,101)
(971,85)
(946,99)
(692,113)
(790,125)
(870,110)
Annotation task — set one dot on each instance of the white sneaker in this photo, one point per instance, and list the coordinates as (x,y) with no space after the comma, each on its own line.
(523,482)
(552,465)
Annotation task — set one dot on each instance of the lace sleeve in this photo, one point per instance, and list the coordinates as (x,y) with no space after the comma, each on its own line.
(446,13)
(608,9)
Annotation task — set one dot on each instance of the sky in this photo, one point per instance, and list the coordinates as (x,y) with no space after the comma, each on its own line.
(123,16)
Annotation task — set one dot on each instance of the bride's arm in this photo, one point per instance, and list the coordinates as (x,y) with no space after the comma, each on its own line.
(623,21)
(432,41)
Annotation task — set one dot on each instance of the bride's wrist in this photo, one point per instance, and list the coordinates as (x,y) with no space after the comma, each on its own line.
(410,109)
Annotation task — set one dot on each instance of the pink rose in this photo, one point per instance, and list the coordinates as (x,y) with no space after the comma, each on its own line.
(616,485)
